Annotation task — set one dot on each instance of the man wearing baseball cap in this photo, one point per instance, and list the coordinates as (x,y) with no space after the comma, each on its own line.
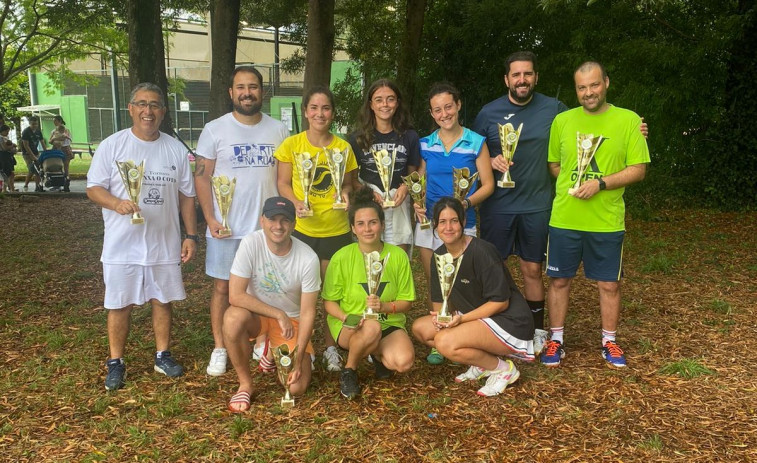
(273,289)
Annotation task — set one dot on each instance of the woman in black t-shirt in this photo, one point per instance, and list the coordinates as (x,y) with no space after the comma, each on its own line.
(490,318)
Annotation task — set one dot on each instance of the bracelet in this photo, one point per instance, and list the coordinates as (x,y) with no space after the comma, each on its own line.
(194,238)
(469,203)
(394,307)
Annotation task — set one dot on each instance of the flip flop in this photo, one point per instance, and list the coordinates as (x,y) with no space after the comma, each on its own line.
(241,397)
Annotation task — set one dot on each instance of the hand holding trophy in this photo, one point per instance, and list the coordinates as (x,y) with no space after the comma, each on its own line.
(374,270)
(285,362)
(131,175)
(306,167)
(508,138)
(446,269)
(337,162)
(587,147)
(462,182)
(416,185)
(385,167)
(223,189)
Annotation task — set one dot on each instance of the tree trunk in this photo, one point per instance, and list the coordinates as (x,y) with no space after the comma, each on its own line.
(224,14)
(147,62)
(320,45)
(407,64)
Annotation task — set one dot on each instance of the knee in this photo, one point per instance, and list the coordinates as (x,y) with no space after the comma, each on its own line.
(403,361)
(445,343)
(559,283)
(422,329)
(221,287)
(370,331)
(234,320)
(298,388)
(609,288)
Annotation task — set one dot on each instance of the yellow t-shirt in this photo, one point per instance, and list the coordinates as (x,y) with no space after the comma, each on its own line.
(325,221)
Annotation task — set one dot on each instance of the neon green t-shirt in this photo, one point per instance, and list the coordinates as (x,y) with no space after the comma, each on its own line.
(623,146)
(325,221)
(346,283)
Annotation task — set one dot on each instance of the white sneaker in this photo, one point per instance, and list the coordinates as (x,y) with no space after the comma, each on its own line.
(473,373)
(540,338)
(332,359)
(499,380)
(257,351)
(217,364)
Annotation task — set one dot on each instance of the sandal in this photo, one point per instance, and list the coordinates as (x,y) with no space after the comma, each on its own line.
(241,398)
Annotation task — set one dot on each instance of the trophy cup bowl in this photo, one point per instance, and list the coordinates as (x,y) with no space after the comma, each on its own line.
(416,186)
(337,162)
(587,146)
(306,168)
(132,175)
(508,138)
(447,269)
(462,182)
(374,269)
(385,167)
(284,365)
(223,190)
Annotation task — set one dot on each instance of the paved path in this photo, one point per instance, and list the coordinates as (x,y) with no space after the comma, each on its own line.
(77,187)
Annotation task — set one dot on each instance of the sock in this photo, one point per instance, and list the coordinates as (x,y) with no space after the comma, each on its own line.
(608,336)
(537,311)
(557,333)
(118,361)
(162,353)
(501,365)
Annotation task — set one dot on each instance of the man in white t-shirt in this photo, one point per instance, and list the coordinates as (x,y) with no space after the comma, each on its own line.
(273,289)
(141,262)
(239,145)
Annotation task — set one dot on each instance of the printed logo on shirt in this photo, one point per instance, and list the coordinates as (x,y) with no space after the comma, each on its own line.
(252,155)
(380,290)
(322,182)
(593,171)
(507,118)
(465,281)
(153,197)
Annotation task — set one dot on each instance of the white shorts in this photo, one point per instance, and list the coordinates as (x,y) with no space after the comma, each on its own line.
(219,256)
(429,240)
(127,284)
(398,221)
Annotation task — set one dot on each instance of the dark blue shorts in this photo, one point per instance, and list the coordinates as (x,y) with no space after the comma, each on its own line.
(325,247)
(601,253)
(524,235)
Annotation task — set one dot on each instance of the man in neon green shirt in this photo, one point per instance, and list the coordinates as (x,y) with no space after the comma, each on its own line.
(588,218)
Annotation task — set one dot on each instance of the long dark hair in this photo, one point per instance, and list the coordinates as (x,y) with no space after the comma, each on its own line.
(363,198)
(366,120)
(452,203)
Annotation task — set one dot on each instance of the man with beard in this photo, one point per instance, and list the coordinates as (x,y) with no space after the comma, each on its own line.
(588,223)
(238,145)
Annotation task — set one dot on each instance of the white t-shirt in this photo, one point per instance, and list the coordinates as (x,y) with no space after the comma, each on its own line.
(246,153)
(167,172)
(279,281)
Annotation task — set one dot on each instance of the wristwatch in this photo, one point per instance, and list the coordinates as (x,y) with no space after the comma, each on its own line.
(602,184)
(194,238)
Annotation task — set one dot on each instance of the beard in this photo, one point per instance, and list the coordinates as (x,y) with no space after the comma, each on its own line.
(245,111)
(523,99)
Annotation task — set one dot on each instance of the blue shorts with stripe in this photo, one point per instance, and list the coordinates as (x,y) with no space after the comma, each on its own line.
(600,252)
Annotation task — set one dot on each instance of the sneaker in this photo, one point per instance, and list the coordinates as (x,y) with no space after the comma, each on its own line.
(217,364)
(258,351)
(26,187)
(499,380)
(613,354)
(116,374)
(39,189)
(348,384)
(540,339)
(552,353)
(381,371)
(165,364)
(473,373)
(332,359)
(434,357)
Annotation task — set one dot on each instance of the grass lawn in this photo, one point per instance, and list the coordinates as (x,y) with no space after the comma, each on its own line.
(688,394)
(78,166)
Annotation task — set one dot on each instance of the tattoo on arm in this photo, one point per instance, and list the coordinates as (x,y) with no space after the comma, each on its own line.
(199,166)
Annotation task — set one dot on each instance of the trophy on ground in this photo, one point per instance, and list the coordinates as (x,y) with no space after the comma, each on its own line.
(337,162)
(385,168)
(306,165)
(446,268)
(508,137)
(132,175)
(284,365)
(223,189)
(587,146)
(462,182)
(416,186)
(374,269)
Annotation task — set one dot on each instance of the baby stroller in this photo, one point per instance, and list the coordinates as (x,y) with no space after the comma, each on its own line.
(53,173)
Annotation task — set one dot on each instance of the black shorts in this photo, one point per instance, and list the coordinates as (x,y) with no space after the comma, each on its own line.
(325,247)
(524,235)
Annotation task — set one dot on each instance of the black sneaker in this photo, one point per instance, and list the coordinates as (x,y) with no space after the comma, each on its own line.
(116,374)
(39,189)
(165,364)
(348,384)
(381,372)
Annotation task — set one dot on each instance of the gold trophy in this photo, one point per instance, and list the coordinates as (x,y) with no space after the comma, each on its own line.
(508,137)
(416,185)
(306,166)
(223,189)
(446,269)
(374,269)
(132,175)
(587,146)
(462,182)
(385,168)
(337,161)
(284,365)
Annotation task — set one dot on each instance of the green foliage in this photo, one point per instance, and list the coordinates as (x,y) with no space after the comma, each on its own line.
(13,94)
(686,368)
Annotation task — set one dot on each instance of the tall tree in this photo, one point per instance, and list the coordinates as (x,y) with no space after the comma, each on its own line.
(320,45)
(224,21)
(147,62)
(407,63)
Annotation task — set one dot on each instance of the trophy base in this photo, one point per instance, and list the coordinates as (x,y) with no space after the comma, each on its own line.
(425,225)
(224,232)
(444,318)
(307,213)
(388,203)
(340,206)
(287,403)
(370,315)
(504,184)
(572,191)
(137,220)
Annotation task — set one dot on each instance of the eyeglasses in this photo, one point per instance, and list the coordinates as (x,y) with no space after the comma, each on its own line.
(144,105)
(387,100)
